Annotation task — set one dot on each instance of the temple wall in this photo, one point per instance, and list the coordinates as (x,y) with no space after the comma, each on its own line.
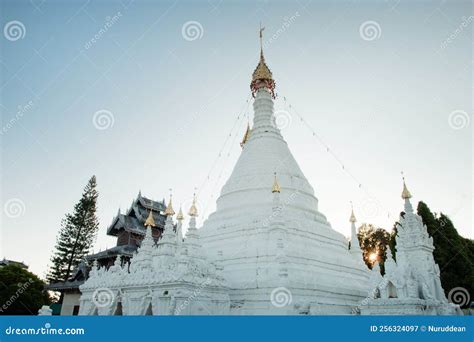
(69,301)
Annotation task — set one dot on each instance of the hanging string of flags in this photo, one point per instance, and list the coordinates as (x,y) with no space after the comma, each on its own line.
(292,111)
(243,112)
(224,164)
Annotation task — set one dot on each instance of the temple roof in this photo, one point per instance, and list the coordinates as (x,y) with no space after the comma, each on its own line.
(125,250)
(136,216)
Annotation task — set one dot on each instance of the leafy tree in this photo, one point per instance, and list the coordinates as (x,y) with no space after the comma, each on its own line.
(76,236)
(373,242)
(453,253)
(21,292)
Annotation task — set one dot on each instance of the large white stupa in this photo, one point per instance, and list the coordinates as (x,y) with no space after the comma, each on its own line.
(267,249)
(302,254)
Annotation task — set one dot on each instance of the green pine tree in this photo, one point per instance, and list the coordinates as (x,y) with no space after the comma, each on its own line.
(76,236)
(453,253)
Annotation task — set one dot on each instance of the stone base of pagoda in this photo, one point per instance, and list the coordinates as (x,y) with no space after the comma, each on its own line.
(408,306)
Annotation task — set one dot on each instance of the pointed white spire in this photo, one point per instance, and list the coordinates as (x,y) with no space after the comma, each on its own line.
(179,227)
(147,241)
(276,220)
(355,246)
(191,242)
(167,243)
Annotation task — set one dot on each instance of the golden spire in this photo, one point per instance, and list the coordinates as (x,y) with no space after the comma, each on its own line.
(150,221)
(246,136)
(193,212)
(352,218)
(169,209)
(262,72)
(405,193)
(276,186)
(180,216)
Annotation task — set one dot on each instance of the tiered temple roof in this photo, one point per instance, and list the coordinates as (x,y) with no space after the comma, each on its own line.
(134,219)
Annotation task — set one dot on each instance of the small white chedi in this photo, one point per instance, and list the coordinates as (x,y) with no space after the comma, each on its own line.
(267,249)
(411,285)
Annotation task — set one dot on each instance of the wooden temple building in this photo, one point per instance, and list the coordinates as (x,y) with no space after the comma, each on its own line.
(129,229)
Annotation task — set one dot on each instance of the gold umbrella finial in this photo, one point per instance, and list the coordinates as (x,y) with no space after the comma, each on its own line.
(180,215)
(276,185)
(150,221)
(352,218)
(169,209)
(193,212)
(405,193)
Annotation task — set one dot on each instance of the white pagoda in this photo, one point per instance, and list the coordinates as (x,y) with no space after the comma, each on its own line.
(411,285)
(267,249)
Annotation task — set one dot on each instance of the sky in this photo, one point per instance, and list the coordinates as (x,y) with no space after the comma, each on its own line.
(154,96)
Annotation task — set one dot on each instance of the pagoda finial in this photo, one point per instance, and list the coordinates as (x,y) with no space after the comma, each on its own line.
(276,186)
(262,76)
(150,221)
(169,209)
(352,218)
(180,215)
(193,212)
(405,193)
(246,136)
